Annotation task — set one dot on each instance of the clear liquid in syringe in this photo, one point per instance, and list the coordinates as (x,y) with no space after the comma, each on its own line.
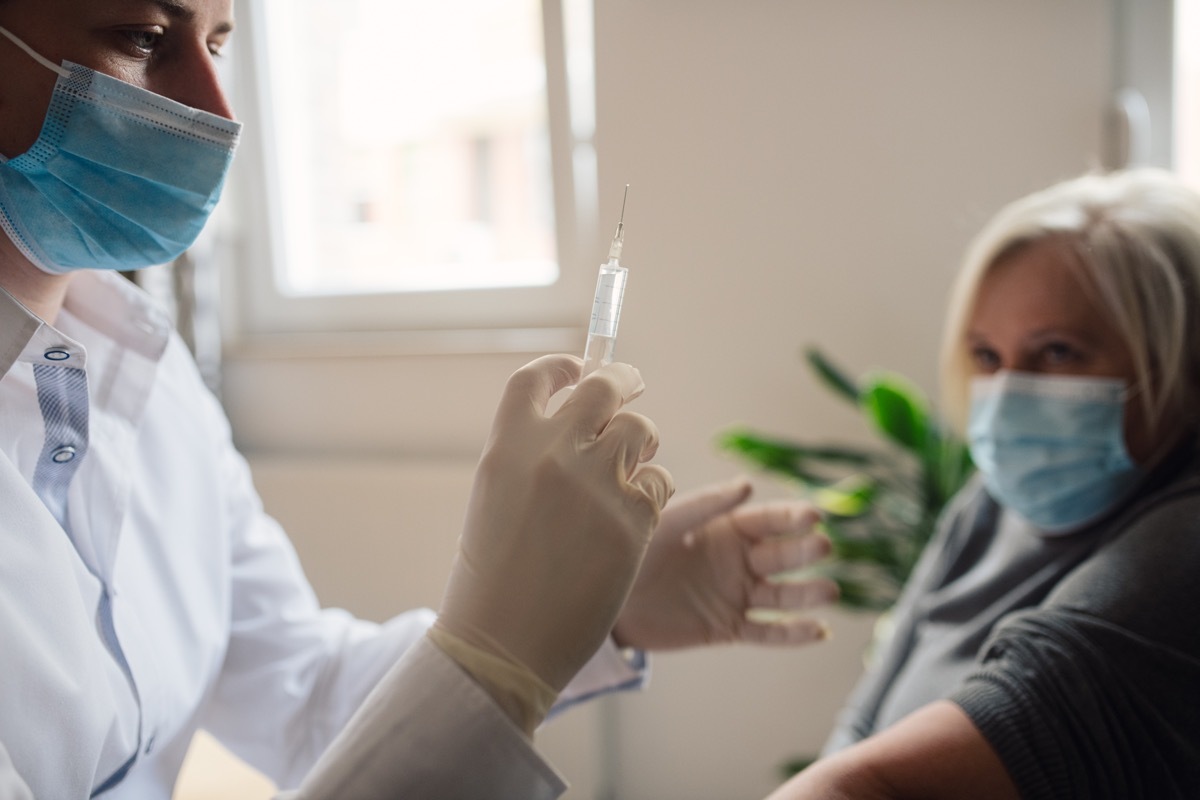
(606,306)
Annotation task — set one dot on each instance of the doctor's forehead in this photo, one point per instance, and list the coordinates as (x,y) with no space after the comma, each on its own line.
(209,12)
(188,9)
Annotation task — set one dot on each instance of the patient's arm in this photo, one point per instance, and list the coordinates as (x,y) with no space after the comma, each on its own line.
(935,753)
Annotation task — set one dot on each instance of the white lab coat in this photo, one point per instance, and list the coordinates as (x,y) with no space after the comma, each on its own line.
(213,615)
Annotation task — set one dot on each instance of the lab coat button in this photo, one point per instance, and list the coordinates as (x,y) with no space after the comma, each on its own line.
(63,455)
(57,354)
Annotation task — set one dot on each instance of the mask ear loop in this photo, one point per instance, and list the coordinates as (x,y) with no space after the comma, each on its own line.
(1132,390)
(1136,390)
(36,56)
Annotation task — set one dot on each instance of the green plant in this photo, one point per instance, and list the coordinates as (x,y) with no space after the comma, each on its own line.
(880,504)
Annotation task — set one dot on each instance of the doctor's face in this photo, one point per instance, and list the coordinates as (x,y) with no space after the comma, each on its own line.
(166,46)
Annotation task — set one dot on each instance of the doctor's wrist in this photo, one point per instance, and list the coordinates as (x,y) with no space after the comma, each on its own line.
(520,693)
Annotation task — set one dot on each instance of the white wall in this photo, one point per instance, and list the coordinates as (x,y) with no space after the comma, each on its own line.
(801,172)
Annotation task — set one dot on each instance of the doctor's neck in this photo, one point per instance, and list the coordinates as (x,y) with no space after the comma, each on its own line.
(40,292)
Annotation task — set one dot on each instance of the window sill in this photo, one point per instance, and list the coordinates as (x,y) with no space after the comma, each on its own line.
(385,344)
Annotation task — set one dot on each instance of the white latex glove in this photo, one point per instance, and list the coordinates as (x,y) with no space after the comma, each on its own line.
(559,518)
(708,566)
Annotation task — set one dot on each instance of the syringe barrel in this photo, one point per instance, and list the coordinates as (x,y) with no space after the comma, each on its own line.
(606,314)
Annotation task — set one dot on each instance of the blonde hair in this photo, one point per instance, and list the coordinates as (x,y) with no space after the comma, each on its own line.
(1134,236)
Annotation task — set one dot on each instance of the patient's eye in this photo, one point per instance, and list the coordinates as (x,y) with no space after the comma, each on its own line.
(984,358)
(1059,354)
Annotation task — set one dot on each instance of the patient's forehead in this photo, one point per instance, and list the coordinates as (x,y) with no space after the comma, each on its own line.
(1039,293)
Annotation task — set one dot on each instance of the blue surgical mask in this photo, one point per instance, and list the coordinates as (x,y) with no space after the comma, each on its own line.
(119,178)
(1052,448)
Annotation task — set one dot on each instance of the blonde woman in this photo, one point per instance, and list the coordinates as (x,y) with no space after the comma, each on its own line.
(1045,646)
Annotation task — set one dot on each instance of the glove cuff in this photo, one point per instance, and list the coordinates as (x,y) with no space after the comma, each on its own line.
(522,695)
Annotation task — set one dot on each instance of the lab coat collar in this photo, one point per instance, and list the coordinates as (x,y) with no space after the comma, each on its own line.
(18,327)
(103,300)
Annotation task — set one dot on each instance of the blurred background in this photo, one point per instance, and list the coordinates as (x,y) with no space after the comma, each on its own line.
(426,191)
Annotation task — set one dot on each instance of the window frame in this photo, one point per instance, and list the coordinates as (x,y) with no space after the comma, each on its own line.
(501,319)
(1140,130)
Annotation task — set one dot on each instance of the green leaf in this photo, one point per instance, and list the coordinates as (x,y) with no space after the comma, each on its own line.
(947,465)
(796,765)
(810,465)
(898,409)
(832,376)
(749,443)
(870,551)
(849,497)
(863,596)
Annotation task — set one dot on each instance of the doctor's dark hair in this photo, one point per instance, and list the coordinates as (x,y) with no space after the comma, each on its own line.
(1134,237)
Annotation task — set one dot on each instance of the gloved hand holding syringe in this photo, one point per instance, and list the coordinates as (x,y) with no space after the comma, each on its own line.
(606,307)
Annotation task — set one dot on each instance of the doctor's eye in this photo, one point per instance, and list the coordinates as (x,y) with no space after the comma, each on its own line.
(143,41)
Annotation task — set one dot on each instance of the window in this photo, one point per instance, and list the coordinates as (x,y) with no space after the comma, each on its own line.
(1156,77)
(414,165)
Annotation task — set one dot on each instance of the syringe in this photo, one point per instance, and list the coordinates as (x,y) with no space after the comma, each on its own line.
(606,307)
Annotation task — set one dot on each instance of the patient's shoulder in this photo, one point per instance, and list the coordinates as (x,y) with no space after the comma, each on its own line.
(1144,578)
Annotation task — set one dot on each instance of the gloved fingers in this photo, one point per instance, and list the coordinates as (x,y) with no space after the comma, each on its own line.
(780,518)
(784,553)
(655,482)
(793,595)
(693,509)
(633,437)
(783,632)
(599,396)
(530,388)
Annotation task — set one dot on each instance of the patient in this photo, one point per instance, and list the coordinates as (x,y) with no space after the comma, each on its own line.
(1045,646)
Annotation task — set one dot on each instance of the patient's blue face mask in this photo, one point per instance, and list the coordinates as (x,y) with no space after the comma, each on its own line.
(120,177)
(1052,448)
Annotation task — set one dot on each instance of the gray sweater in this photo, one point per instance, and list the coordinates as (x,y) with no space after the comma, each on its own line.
(1078,656)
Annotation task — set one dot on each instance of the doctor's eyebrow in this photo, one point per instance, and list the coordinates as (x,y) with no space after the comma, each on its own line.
(179,10)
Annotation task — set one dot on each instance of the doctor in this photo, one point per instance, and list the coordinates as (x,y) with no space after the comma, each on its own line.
(144,594)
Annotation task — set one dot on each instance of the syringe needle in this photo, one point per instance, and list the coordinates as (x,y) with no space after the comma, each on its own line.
(618,240)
